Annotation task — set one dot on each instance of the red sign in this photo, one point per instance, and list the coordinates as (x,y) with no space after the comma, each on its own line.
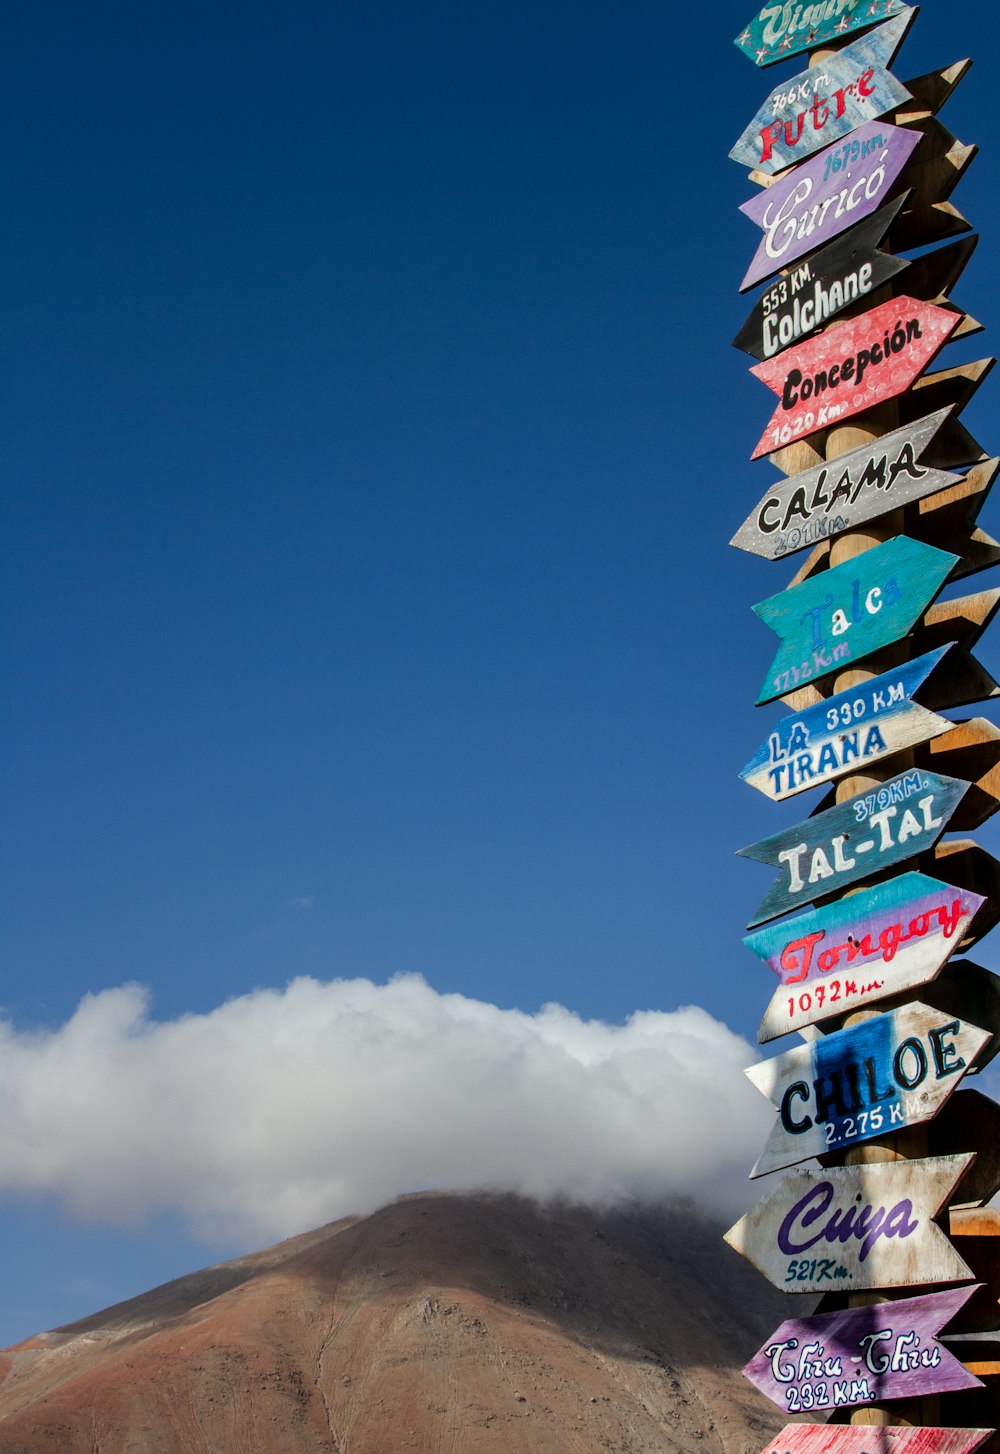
(841,1439)
(852,367)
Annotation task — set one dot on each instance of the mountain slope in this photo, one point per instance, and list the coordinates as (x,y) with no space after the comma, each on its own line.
(440,1323)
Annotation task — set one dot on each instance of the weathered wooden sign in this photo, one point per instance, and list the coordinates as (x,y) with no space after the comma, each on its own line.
(843,493)
(879,942)
(846,1439)
(896,1069)
(844,614)
(828,379)
(970,1121)
(841,274)
(780,30)
(857,1355)
(846,732)
(860,949)
(825,102)
(826,195)
(854,1227)
(863,836)
(969,750)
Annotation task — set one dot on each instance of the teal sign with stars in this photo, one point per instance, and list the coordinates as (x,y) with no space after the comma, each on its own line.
(784,30)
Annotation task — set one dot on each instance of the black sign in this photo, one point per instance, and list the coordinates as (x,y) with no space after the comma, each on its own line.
(841,274)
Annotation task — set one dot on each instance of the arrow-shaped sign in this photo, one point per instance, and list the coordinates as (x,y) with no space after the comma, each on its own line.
(843,493)
(860,949)
(970,1121)
(837,277)
(862,1355)
(858,838)
(826,195)
(846,1439)
(824,103)
(846,732)
(828,379)
(854,1227)
(896,1069)
(778,30)
(842,615)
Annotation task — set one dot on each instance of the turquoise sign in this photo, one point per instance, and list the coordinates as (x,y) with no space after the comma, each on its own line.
(778,31)
(839,616)
(854,840)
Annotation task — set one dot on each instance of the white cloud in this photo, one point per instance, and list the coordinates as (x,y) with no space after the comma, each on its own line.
(284,1109)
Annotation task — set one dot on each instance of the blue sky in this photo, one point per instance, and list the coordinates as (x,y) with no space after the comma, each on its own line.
(371,439)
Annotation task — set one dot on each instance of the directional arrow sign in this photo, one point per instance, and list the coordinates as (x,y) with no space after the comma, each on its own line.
(824,103)
(833,279)
(860,949)
(862,1355)
(863,836)
(845,492)
(842,615)
(854,1227)
(846,1439)
(850,368)
(779,30)
(893,1070)
(846,731)
(826,195)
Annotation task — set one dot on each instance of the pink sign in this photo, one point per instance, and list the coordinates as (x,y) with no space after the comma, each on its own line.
(850,368)
(898,1439)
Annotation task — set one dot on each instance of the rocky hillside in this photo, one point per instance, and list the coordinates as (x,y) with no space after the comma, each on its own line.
(447,1323)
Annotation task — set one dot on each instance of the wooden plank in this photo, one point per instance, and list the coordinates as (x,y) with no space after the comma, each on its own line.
(846,732)
(970,750)
(968,991)
(882,1351)
(854,1227)
(962,619)
(826,195)
(778,31)
(849,369)
(860,949)
(966,864)
(975,1231)
(961,681)
(931,91)
(970,1122)
(863,836)
(893,1070)
(846,492)
(832,280)
(848,612)
(822,104)
(932,174)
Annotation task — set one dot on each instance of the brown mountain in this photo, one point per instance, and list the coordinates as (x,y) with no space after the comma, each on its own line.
(444,1323)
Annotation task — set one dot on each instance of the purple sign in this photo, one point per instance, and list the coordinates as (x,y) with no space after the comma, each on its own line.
(826,195)
(862,1355)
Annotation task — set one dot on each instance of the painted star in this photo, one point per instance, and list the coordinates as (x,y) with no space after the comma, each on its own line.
(761,54)
(842,24)
(786,44)
(743,39)
(811,38)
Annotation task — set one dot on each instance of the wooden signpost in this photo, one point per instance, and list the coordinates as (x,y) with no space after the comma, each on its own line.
(846,732)
(841,616)
(882,941)
(856,1226)
(852,367)
(821,105)
(826,195)
(860,1355)
(871,1094)
(860,837)
(893,1070)
(779,30)
(848,491)
(840,275)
